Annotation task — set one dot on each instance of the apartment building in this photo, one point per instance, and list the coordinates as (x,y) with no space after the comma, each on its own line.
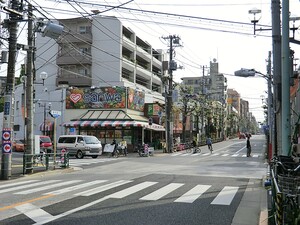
(92,56)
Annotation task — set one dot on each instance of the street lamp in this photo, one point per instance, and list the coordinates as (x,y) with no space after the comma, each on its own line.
(43,76)
(256,17)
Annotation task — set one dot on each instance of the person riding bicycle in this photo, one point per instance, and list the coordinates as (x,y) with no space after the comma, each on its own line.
(194,144)
(209,143)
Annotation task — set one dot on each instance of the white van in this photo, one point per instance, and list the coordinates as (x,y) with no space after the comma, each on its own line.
(80,145)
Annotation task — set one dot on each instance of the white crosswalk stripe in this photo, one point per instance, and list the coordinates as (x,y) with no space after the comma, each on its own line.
(193,194)
(219,154)
(88,161)
(162,192)
(226,196)
(103,188)
(89,188)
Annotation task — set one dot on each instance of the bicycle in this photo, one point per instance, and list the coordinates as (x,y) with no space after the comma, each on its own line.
(39,160)
(188,147)
(285,183)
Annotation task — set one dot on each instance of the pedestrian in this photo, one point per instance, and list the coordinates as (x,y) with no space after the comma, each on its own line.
(209,143)
(248,146)
(114,152)
(123,145)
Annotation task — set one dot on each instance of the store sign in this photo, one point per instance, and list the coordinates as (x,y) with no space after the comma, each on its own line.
(100,98)
(136,100)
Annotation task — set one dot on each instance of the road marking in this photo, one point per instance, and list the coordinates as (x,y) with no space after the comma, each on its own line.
(244,155)
(17,183)
(162,192)
(225,196)
(176,154)
(29,186)
(235,155)
(193,194)
(59,184)
(215,154)
(76,187)
(34,212)
(225,154)
(21,203)
(205,154)
(103,188)
(131,190)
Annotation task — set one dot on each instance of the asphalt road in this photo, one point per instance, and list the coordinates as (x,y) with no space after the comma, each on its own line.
(173,189)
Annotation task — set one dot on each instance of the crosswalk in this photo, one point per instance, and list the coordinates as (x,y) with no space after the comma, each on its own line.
(89,161)
(218,154)
(223,195)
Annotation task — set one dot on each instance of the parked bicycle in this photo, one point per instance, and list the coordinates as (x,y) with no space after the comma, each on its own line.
(285,183)
(191,148)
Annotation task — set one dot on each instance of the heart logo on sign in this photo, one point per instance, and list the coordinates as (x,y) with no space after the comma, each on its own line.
(75,97)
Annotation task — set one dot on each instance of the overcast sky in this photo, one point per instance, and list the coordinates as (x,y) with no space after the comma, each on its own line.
(208,29)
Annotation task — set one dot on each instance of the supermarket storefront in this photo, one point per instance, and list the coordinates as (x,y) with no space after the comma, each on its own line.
(109,117)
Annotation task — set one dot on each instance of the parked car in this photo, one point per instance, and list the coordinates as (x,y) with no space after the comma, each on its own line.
(18,146)
(80,145)
(46,144)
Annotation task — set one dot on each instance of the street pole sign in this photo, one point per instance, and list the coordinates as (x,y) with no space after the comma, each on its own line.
(55,114)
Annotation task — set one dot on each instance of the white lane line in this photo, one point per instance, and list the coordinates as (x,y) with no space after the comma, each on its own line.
(176,154)
(215,154)
(76,187)
(241,149)
(225,196)
(235,155)
(34,213)
(225,154)
(195,154)
(17,183)
(29,186)
(244,155)
(193,194)
(58,184)
(255,155)
(162,192)
(131,190)
(102,188)
(185,154)
(205,154)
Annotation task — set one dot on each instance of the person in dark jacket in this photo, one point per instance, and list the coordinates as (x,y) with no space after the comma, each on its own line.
(248,146)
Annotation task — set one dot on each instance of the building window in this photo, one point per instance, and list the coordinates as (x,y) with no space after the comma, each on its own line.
(84,29)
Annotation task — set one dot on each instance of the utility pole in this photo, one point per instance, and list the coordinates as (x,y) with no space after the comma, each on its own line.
(270,104)
(8,114)
(285,81)
(29,93)
(169,93)
(276,46)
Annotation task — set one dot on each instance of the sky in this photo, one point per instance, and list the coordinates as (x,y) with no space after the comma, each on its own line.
(208,29)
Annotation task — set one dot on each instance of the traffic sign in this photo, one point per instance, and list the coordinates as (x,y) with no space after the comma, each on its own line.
(6,148)
(6,135)
(55,114)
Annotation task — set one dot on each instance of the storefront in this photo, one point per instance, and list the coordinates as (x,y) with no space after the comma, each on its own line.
(111,113)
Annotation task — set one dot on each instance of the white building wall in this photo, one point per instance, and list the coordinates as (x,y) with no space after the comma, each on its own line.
(106,52)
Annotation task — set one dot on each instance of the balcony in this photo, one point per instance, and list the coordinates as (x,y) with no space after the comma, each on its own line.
(76,38)
(74,80)
(74,59)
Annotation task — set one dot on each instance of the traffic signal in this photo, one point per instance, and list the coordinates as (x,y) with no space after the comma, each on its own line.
(150,121)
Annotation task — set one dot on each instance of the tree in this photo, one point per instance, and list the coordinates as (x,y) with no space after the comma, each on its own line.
(186,105)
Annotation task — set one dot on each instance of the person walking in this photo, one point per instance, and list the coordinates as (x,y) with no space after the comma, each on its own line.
(248,146)
(209,144)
